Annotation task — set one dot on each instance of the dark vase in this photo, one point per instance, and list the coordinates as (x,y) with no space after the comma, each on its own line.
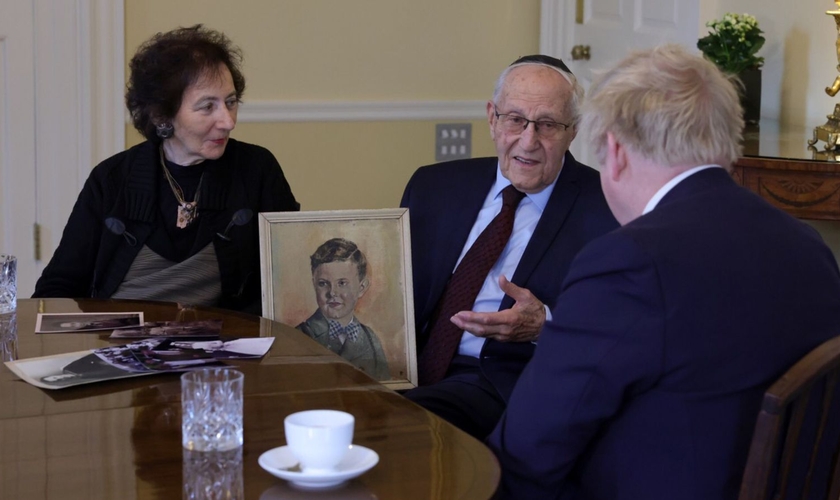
(751,95)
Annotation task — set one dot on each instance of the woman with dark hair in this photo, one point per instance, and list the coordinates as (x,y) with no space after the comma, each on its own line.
(172,218)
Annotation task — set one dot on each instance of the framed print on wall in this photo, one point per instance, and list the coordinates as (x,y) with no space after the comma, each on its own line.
(343,277)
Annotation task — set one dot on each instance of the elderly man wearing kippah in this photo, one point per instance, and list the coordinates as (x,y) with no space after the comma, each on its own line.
(492,240)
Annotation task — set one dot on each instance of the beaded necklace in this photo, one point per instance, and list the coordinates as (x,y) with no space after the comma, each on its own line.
(187,211)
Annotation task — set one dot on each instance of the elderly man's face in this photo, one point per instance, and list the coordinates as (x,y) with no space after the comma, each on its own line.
(530,161)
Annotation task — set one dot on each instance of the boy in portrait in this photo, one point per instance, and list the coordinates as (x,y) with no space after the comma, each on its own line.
(339,276)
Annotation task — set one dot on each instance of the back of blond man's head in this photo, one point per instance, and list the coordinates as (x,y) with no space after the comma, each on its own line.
(669,105)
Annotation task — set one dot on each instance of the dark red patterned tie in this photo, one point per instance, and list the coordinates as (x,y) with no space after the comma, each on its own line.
(463,287)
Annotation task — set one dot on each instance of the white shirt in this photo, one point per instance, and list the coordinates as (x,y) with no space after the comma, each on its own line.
(657,197)
(528,214)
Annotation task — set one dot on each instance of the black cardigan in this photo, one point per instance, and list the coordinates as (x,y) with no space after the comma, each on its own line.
(91,261)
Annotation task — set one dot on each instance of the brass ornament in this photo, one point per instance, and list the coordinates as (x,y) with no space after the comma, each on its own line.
(829,133)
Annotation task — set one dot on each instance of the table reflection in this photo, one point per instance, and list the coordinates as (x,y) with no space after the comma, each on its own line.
(347,491)
(211,475)
(773,139)
(8,337)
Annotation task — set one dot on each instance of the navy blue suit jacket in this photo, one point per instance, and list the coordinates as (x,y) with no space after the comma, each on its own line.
(648,381)
(444,200)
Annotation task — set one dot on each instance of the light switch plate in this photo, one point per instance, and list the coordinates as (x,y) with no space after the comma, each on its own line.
(453,141)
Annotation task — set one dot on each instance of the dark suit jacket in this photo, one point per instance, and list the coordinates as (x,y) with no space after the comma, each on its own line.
(444,201)
(648,381)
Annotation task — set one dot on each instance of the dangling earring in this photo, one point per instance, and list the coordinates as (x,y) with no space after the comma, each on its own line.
(164,130)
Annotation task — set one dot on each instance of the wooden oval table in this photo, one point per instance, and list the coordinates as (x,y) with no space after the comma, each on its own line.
(122,438)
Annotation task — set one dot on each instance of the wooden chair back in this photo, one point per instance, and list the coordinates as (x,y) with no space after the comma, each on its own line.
(796,441)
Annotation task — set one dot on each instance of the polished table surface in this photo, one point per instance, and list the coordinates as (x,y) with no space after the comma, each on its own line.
(122,438)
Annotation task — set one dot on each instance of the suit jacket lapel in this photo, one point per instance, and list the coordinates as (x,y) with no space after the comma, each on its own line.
(460,222)
(557,209)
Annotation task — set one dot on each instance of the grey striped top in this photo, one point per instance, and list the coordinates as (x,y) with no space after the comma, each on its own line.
(195,281)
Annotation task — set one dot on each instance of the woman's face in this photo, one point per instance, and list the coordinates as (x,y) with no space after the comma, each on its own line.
(204,120)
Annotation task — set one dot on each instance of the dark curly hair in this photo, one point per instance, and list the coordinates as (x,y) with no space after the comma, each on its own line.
(166,64)
(339,250)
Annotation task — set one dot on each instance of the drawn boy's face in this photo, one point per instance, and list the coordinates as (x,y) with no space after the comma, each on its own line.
(337,289)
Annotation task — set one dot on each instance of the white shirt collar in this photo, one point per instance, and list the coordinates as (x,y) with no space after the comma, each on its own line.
(670,185)
(539,199)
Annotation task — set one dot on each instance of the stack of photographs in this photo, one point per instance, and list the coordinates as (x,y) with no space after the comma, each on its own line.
(144,357)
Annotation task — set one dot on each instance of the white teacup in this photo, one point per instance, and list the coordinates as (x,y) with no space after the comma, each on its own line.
(319,439)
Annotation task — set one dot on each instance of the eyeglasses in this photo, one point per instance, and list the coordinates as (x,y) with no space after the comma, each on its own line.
(516,124)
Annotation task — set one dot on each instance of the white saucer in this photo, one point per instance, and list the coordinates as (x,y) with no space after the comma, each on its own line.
(279,462)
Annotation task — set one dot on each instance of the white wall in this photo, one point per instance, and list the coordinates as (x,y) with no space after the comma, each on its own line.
(800,56)
(322,55)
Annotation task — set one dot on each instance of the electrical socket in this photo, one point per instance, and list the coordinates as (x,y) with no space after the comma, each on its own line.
(453,141)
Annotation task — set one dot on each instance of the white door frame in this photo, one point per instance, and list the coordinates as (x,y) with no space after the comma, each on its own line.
(17,134)
(79,119)
(553,19)
(79,45)
(107,71)
(552,25)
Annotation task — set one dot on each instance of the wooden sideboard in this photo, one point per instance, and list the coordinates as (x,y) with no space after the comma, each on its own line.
(779,166)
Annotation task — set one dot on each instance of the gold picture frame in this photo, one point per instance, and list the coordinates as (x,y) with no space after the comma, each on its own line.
(291,243)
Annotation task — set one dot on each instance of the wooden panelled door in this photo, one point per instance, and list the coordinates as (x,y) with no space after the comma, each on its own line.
(61,111)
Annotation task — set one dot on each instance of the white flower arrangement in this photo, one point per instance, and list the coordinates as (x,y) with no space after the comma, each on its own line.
(733,42)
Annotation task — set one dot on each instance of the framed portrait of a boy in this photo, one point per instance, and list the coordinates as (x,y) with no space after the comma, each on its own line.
(343,277)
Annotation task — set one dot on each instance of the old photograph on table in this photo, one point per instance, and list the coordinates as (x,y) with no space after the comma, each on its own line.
(60,371)
(344,278)
(143,357)
(86,322)
(208,328)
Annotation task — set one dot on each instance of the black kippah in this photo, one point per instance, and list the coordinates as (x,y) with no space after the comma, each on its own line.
(543,59)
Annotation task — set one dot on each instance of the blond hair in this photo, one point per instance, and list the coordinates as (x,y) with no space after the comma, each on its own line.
(670,106)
